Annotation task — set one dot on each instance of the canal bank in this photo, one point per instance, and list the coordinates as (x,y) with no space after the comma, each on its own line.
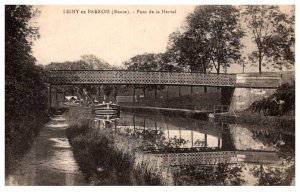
(185,113)
(142,149)
(50,160)
(285,124)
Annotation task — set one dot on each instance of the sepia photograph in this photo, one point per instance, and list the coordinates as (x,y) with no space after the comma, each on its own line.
(149,95)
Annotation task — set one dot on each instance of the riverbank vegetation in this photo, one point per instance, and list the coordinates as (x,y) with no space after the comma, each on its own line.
(25,88)
(277,110)
(113,156)
(201,101)
(104,159)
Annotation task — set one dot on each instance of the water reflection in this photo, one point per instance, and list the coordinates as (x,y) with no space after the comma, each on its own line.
(163,134)
(160,134)
(228,154)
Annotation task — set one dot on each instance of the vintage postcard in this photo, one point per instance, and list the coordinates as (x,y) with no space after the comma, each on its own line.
(139,95)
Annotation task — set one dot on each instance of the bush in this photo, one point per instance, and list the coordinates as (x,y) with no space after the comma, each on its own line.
(279,103)
(94,149)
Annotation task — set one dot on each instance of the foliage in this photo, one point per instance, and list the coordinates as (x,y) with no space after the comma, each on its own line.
(146,62)
(101,162)
(286,92)
(95,62)
(25,88)
(218,175)
(272,106)
(273,34)
(273,176)
(201,102)
(211,39)
(87,62)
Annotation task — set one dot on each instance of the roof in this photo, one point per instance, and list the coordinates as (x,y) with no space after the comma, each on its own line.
(71,97)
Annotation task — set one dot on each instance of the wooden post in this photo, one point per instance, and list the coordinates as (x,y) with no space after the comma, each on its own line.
(155,130)
(179,91)
(180,135)
(50,97)
(133,123)
(155,93)
(134,93)
(167,91)
(99,93)
(192,90)
(168,132)
(56,95)
(205,140)
(192,133)
(115,93)
(144,91)
(192,137)
(144,129)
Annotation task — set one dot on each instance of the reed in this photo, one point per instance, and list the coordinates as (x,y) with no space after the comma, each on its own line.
(109,159)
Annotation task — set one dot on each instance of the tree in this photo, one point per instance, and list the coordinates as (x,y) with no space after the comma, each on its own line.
(94,62)
(69,65)
(271,176)
(87,62)
(25,88)
(273,34)
(24,85)
(211,38)
(146,62)
(98,64)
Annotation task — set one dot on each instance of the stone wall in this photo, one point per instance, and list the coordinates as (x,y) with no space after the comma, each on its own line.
(244,97)
(253,87)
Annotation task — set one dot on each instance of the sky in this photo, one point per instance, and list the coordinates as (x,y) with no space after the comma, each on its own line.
(112,37)
(67,31)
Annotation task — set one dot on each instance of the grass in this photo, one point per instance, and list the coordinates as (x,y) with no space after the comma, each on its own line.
(19,136)
(102,162)
(285,123)
(204,101)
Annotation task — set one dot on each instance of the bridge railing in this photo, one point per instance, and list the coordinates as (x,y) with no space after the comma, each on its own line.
(137,77)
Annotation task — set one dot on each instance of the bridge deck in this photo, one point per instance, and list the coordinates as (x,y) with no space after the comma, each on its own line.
(66,77)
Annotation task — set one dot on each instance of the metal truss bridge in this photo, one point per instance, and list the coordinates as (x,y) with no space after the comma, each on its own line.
(116,77)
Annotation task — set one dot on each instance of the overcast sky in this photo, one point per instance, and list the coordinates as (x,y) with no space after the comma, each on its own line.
(66,34)
(112,37)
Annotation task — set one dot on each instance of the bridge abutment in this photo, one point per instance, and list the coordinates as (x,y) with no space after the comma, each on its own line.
(253,87)
(243,97)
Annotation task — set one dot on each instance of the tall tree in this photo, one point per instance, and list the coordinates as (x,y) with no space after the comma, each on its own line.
(211,38)
(25,88)
(273,34)
(146,62)
(24,82)
(94,62)
(87,62)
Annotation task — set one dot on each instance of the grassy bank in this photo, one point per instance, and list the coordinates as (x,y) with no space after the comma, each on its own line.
(285,123)
(19,136)
(105,159)
(203,101)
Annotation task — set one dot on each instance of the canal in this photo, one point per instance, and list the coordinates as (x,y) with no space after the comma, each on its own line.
(176,151)
(195,149)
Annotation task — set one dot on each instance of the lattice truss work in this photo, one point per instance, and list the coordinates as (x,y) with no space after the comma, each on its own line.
(134,77)
(199,158)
